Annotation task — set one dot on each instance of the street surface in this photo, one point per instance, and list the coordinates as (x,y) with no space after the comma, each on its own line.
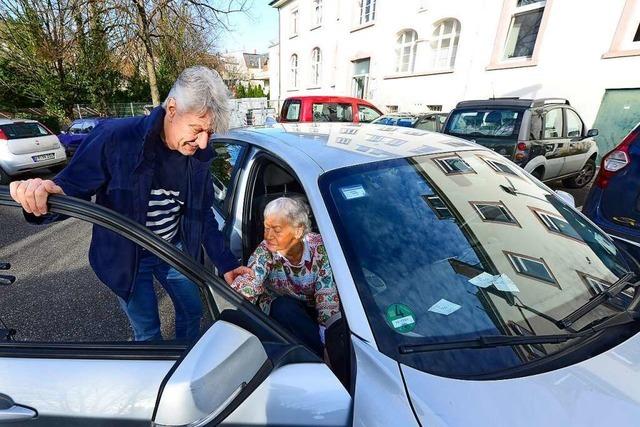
(57,297)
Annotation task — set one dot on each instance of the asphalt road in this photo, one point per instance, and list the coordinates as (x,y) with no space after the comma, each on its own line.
(56,296)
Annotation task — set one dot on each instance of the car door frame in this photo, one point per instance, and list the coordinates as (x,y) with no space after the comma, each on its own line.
(64,355)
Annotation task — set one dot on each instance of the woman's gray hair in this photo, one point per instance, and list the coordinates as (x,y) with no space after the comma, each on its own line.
(294,211)
(200,90)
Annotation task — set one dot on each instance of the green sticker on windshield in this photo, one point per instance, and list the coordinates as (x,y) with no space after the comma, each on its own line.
(401,318)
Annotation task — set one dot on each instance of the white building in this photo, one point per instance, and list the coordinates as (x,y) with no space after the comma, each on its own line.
(246,68)
(416,55)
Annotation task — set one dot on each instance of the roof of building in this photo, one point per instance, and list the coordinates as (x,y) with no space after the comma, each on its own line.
(336,145)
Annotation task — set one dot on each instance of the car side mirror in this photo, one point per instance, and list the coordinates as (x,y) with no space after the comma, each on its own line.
(566,198)
(592,132)
(214,372)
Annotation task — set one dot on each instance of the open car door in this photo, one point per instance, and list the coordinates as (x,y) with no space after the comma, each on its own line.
(228,376)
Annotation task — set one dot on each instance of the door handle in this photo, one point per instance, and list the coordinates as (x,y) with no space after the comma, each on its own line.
(16,413)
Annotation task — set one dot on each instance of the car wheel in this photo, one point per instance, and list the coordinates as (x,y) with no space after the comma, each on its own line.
(5,179)
(583,178)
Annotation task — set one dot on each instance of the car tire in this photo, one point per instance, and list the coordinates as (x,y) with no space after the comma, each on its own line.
(538,173)
(5,179)
(584,177)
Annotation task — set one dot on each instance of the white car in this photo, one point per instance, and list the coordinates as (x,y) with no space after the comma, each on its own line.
(472,295)
(26,145)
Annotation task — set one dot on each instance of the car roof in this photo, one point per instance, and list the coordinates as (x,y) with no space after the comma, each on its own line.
(12,121)
(336,145)
(512,102)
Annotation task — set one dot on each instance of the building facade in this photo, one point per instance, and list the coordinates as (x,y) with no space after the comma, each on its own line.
(420,55)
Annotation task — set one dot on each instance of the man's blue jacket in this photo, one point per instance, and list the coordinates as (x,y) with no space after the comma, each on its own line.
(116,163)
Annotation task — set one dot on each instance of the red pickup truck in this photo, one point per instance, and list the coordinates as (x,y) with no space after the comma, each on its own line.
(306,109)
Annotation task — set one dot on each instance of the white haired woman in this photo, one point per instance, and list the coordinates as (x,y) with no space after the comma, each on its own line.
(292,282)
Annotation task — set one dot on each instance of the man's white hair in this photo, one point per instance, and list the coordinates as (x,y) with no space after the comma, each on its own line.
(200,90)
(294,211)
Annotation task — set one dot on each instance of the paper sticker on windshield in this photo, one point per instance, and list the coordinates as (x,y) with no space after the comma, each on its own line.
(502,282)
(444,307)
(353,192)
(401,318)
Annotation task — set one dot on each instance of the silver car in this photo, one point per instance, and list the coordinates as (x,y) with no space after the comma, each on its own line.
(472,294)
(26,145)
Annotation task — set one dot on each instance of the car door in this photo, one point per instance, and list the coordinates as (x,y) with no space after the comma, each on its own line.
(227,374)
(577,145)
(554,142)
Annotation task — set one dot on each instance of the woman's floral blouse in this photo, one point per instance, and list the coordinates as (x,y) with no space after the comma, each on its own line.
(311,281)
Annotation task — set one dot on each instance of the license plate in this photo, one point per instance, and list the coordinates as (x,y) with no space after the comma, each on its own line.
(42,157)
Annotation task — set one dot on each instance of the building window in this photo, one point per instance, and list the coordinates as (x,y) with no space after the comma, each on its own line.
(360,80)
(523,31)
(494,212)
(444,44)
(453,165)
(294,71)
(438,207)
(317,13)
(556,224)
(316,66)
(294,22)
(499,166)
(535,268)
(367,11)
(406,46)
(597,286)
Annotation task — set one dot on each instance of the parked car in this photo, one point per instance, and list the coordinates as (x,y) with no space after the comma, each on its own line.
(77,132)
(613,202)
(425,121)
(25,146)
(544,136)
(304,109)
(463,282)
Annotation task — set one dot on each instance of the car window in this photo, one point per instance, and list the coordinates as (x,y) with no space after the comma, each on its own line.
(427,123)
(24,130)
(223,169)
(553,124)
(293,111)
(332,112)
(440,256)
(367,114)
(485,122)
(574,124)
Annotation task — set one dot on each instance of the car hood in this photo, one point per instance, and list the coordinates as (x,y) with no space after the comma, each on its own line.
(603,390)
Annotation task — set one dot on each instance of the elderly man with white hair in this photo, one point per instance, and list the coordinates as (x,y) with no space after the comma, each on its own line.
(155,170)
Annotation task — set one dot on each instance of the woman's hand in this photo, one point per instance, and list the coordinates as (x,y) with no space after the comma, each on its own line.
(230,276)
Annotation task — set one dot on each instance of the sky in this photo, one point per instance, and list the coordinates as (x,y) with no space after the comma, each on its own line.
(255,30)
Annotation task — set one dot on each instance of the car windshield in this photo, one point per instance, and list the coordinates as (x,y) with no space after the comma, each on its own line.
(453,247)
(24,130)
(407,121)
(485,122)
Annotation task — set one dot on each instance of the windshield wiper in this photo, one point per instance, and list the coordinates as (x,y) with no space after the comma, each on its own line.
(488,341)
(613,290)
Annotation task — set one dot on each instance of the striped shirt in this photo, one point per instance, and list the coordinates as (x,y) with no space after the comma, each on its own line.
(163,213)
(166,201)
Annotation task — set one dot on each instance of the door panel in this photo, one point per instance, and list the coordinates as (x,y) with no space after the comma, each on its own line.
(301,394)
(553,142)
(84,392)
(577,148)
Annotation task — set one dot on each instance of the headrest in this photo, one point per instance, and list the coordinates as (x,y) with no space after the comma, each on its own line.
(273,175)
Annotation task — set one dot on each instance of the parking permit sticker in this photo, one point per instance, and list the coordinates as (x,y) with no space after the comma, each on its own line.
(444,307)
(401,318)
(353,192)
